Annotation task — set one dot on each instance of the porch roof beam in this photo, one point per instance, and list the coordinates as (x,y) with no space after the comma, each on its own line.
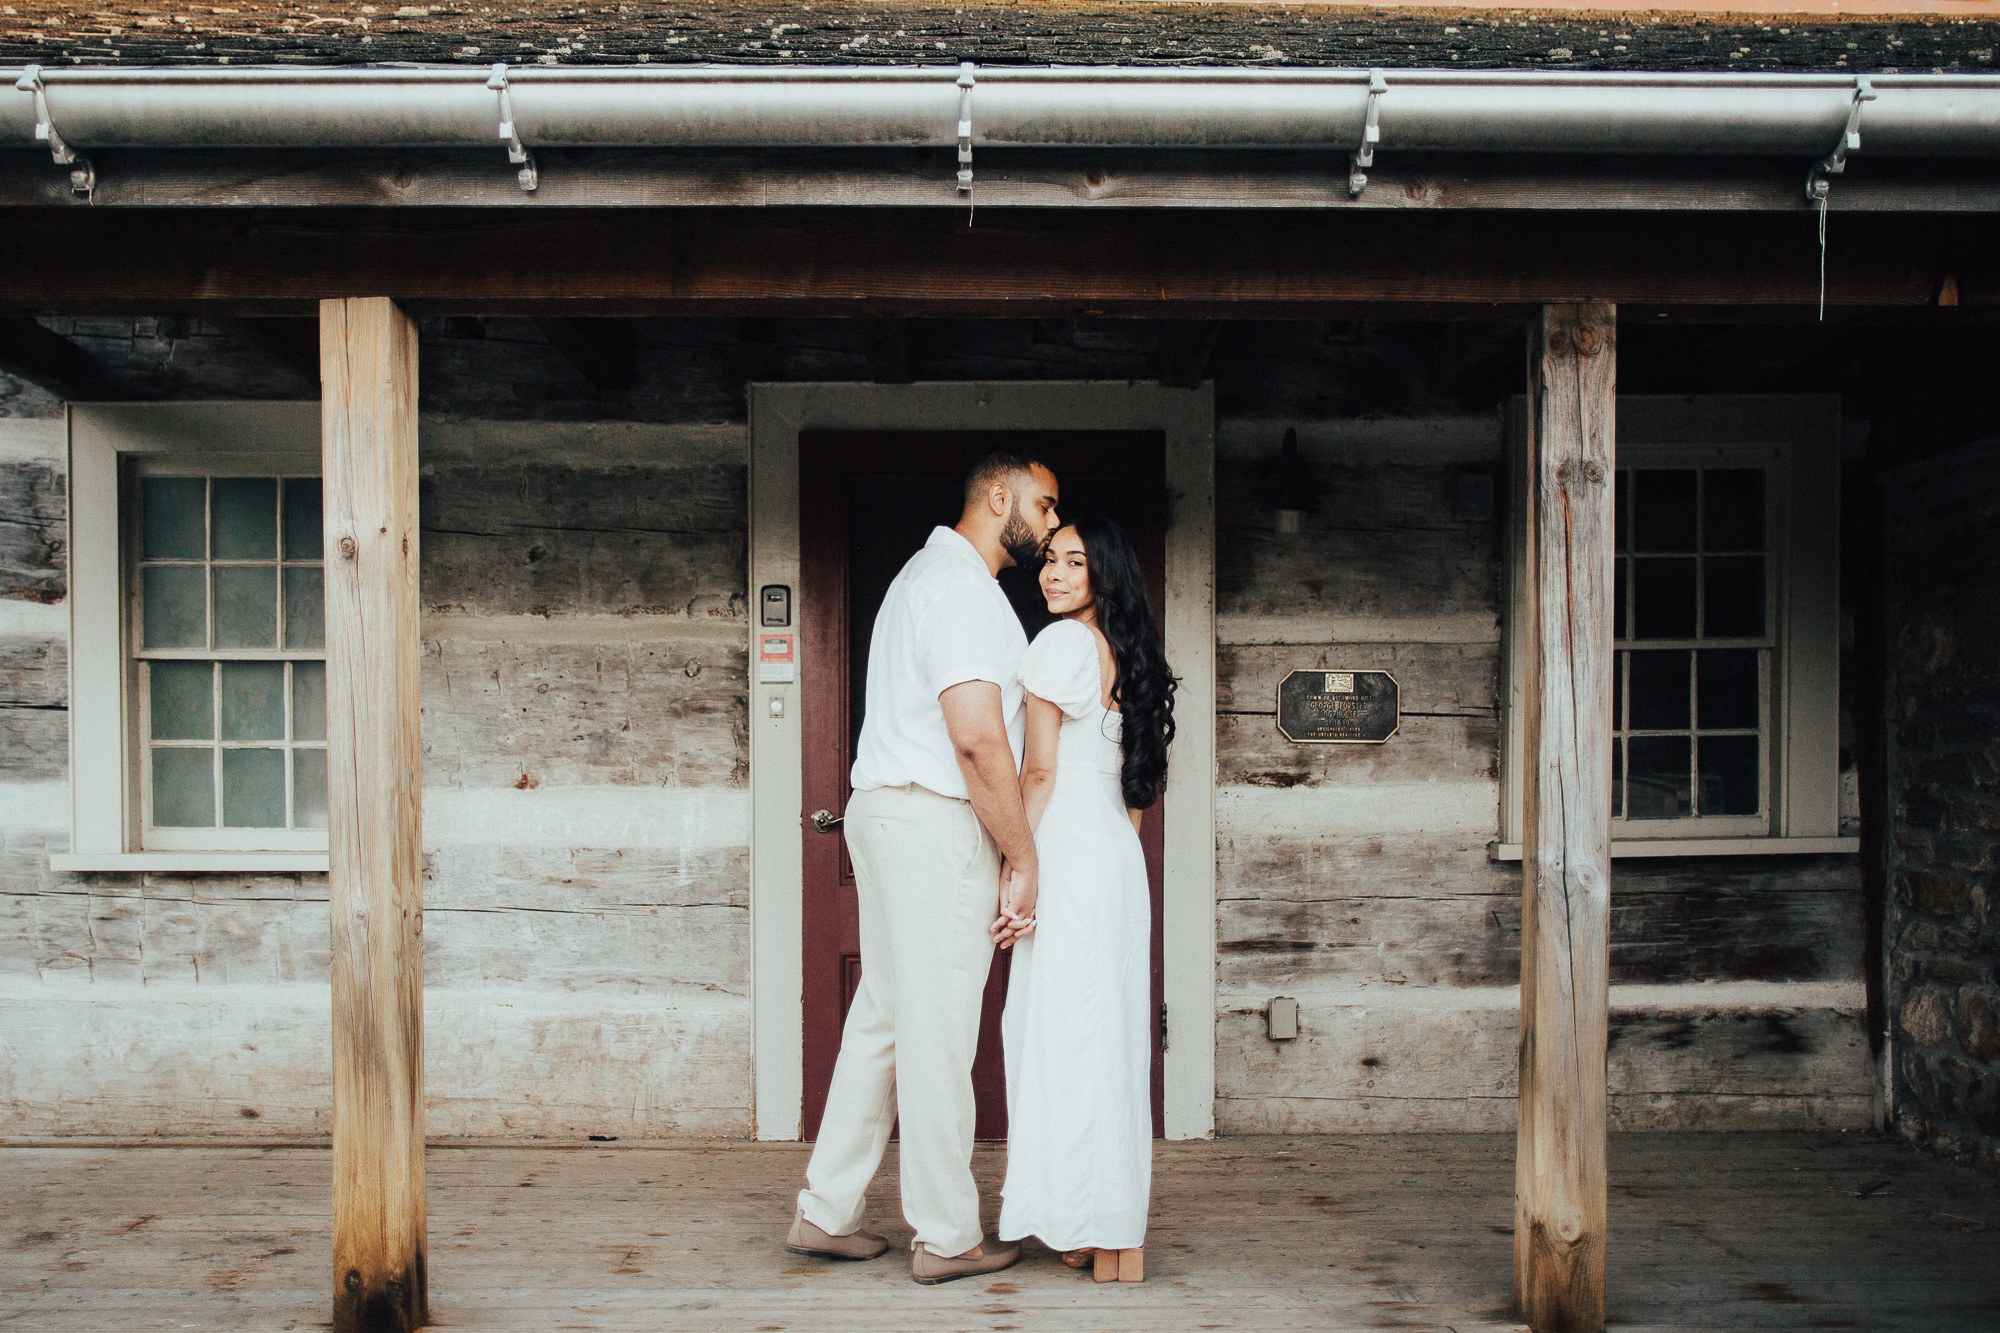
(854,262)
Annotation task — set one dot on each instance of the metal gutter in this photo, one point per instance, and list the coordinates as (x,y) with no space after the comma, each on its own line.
(1797,115)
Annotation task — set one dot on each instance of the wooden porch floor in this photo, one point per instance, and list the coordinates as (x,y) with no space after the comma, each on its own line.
(1735,1231)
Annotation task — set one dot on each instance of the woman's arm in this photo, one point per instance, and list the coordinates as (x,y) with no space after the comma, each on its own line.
(1136,816)
(1038,764)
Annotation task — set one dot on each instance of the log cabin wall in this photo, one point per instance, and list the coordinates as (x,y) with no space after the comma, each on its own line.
(1942,649)
(586,811)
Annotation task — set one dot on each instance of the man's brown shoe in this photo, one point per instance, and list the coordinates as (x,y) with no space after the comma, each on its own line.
(807,1239)
(930,1269)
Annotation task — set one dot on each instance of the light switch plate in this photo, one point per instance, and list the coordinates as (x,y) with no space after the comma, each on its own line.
(1281,1019)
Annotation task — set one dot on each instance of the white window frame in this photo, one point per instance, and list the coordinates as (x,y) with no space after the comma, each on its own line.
(1797,439)
(264,439)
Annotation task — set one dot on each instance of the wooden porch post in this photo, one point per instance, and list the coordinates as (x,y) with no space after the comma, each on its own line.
(368,388)
(1559,1186)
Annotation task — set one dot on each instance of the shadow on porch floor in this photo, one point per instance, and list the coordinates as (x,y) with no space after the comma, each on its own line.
(1735,1231)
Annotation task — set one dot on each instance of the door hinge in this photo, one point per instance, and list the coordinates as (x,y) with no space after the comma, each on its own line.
(1163,1027)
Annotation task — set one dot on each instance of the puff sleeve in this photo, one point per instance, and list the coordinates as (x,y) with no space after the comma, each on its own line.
(1061,666)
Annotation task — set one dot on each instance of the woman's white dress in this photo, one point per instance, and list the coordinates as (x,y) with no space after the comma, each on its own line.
(1078,1040)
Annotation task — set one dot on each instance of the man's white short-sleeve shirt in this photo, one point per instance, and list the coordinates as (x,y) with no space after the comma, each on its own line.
(944,622)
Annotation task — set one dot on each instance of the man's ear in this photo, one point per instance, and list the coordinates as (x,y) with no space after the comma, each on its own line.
(997,499)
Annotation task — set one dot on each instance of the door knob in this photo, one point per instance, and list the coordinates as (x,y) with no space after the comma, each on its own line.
(825,820)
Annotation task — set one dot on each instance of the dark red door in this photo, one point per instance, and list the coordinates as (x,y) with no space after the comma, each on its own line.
(867,502)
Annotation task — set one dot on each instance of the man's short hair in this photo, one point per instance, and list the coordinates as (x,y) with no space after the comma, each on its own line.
(1000,465)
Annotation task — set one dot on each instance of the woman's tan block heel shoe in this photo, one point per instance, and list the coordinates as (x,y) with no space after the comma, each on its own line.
(1119,1266)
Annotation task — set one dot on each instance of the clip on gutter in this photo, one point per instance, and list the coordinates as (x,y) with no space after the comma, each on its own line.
(1817,186)
(1371,134)
(82,175)
(516,154)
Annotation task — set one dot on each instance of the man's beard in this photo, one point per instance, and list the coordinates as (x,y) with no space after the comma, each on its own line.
(1020,541)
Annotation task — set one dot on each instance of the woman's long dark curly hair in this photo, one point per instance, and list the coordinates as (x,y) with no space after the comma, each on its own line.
(1144,687)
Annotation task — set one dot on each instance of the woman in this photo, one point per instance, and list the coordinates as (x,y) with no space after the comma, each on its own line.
(1078,1026)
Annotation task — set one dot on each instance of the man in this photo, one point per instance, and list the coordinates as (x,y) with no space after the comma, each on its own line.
(939,839)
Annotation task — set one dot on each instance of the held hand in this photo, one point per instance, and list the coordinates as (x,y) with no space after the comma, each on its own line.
(1017,907)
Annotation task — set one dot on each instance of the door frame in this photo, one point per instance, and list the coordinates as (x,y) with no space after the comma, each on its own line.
(778,413)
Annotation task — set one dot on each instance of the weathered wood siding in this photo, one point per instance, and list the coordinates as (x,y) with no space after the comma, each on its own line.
(586,820)
(586,807)
(1357,880)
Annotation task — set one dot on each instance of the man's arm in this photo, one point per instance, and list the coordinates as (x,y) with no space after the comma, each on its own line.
(979,739)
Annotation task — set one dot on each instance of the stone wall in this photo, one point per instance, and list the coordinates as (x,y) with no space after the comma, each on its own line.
(1942,522)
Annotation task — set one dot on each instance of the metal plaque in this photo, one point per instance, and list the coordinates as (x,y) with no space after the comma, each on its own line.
(1321,707)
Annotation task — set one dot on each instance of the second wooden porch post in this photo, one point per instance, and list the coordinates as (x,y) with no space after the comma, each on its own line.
(1559,1191)
(368,405)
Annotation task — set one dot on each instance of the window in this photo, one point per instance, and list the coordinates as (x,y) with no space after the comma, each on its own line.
(228,621)
(197,638)
(1725,627)
(1691,609)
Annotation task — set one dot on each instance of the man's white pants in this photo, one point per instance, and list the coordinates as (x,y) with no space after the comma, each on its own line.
(928,876)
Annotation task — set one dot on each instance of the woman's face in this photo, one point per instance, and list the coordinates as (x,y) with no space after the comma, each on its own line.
(1066,574)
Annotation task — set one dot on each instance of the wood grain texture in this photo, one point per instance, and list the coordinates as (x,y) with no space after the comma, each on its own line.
(899,32)
(655,714)
(1251,1234)
(251,1062)
(368,354)
(33,512)
(1459,679)
(565,537)
(1383,545)
(1015,263)
(1394,1062)
(1560,1230)
(1427,911)
(1048,178)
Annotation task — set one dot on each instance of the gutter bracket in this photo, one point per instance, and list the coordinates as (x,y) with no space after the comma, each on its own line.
(82,175)
(965,82)
(1371,134)
(1835,163)
(516,154)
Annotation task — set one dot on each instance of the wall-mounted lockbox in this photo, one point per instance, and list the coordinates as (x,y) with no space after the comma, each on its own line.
(775,606)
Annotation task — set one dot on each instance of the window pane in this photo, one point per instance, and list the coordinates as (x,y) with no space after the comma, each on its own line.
(1663,511)
(309,789)
(183,787)
(1727,688)
(1659,691)
(1621,498)
(246,518)
(253,788)
(1663,599)
(183,700)
(1734,602)
(1733,510)
(303,538)
(308,701)
(171,514)
(176,598)
(1729,775)
(1618,670)
(1617,779)
(1657,786)
(246,606)
(305,607)
(253,701)
(1619,629)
